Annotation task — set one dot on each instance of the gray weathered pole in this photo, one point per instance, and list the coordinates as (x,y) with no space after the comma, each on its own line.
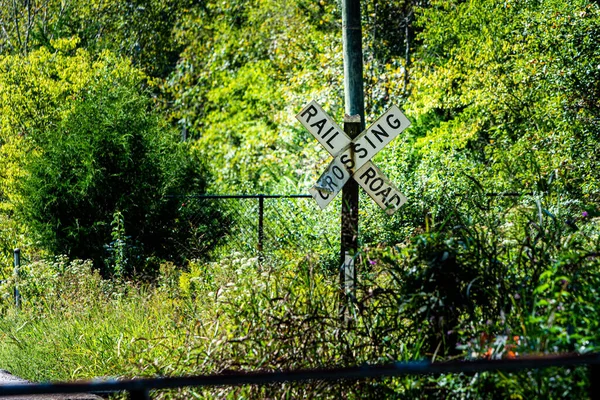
(353,60)
(354,123)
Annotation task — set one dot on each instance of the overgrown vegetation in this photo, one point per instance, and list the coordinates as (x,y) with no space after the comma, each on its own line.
(469,292)
(495,255)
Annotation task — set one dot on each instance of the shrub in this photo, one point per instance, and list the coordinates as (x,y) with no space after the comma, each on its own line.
(102,151)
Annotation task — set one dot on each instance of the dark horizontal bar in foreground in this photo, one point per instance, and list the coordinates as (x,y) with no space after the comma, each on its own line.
(241,196)
(263,378)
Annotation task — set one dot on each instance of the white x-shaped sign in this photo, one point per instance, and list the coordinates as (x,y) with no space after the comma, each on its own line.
(352,157)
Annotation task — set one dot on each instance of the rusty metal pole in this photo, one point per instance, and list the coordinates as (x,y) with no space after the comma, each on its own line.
(17,267)
(261,229)
(349,238)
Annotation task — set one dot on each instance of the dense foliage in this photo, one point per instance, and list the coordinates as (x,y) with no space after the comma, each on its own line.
(85,148)
(107,107)
(513,90)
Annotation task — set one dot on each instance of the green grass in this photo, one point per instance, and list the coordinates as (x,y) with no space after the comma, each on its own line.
(236,315)
(74,325)
(101,339)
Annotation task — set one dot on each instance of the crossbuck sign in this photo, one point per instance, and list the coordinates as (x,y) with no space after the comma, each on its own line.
(352,157)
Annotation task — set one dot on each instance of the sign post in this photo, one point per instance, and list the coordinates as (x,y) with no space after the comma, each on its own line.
(349,228)
(355,108)
(352,150)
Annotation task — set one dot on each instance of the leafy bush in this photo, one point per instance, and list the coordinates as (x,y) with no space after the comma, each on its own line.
(500,285)
(101,151)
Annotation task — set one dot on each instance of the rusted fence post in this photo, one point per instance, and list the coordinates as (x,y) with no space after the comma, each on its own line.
(261,229)
(17,267)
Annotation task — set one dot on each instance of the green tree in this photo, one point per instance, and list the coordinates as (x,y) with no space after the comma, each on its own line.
(89,146)
(244,73)
(504,99)
(511,86)
(138,29)
(389,32)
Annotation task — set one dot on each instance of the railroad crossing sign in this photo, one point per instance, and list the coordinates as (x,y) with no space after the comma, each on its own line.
(352,157)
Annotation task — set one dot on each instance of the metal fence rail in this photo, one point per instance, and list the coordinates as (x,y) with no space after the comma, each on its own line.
(255,225)
(260,225)
(139,389)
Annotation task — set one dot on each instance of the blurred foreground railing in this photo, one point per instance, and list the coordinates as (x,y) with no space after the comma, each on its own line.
(140,388)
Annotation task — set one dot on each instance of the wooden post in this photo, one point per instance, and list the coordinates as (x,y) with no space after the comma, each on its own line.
(349,238)
(354,123)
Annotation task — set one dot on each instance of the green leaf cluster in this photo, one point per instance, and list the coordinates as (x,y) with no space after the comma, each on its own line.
(140,30)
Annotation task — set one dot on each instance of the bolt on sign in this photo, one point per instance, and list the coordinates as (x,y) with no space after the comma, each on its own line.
(352,158)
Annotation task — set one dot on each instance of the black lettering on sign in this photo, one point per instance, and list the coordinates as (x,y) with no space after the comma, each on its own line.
(311,111)
(370,173)
(327,133)
(379,134)
(395,124)
(370,142)
(361,152)
(331,138)
(319,124)
(384,193)
(337,171)
(396,198)
(323,194)
(329,182)
(347,161)
(376,184)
